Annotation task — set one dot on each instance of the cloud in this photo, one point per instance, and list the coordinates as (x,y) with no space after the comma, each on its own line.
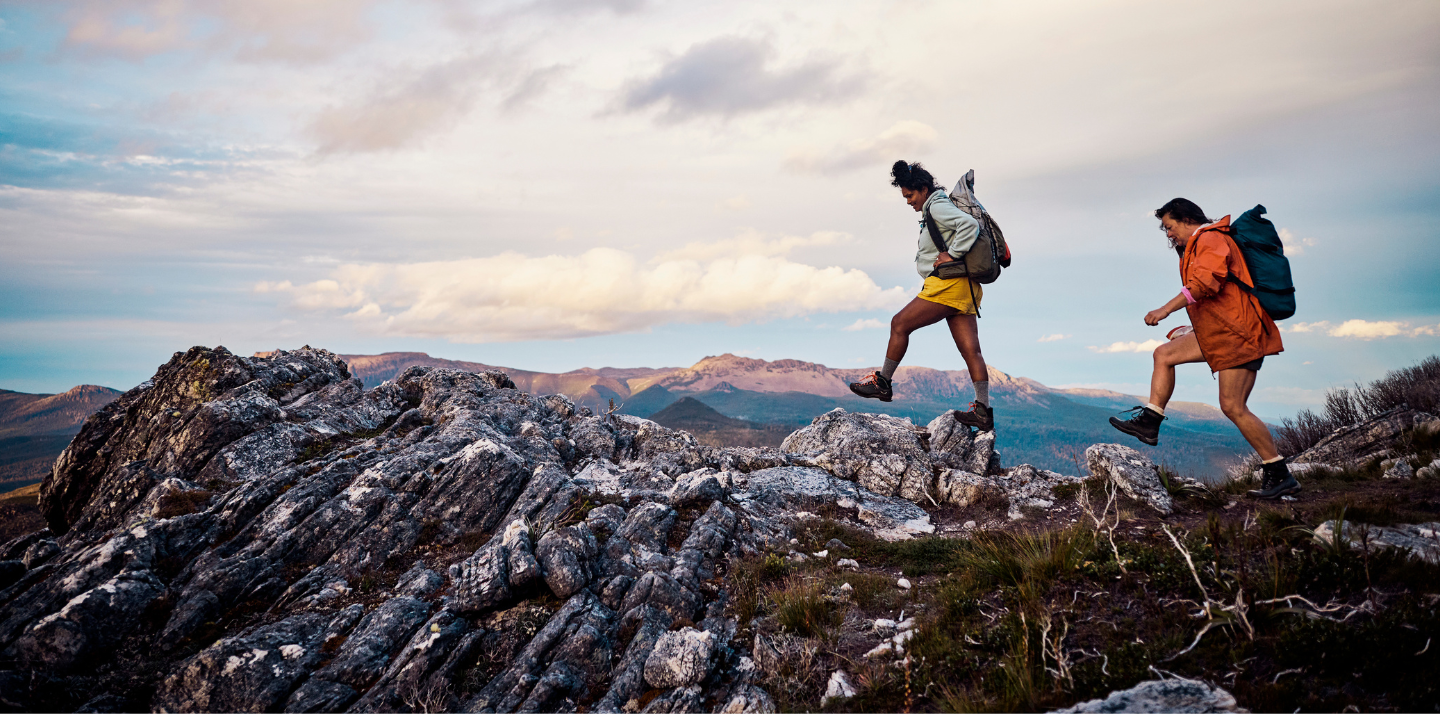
(1294,246)
(728,76)
(905,138)
(1365,329)
(1053,338)
(411,104)
(1146,346)
(253,30)
(754,243)
(735,203)
(865,324)
(511,297)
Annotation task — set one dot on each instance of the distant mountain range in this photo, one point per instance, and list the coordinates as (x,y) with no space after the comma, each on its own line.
(35,428)
(1036,424)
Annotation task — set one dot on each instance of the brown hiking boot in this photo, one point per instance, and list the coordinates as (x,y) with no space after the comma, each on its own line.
(980,416)
(874,386)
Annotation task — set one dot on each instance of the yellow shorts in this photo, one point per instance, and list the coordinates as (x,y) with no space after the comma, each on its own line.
(952,293)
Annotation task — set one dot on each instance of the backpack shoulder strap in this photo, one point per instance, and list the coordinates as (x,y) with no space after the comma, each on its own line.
(934,231)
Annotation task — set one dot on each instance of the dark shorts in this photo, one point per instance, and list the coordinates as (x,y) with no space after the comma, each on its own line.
(1252,365)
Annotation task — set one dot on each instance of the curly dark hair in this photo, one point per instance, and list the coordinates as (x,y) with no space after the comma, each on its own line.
(1182,210)
(912,176)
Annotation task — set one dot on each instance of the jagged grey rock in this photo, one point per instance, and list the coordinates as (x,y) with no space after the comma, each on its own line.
(1420,539)
(838,687)
(1400,469)
(565,556)
(255,670)
(960,447)
(1022,487)
(1136,475)
(1353,445)
(697,487)
(797,488)
(679,659)
(277,491)
(1169,695)
(880,452)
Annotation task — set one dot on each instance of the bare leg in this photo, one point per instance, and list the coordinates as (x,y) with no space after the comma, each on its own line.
(912,317)
(966,331)
(1235,387)
(1183,350)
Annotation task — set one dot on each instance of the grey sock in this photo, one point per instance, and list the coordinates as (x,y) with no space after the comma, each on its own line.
(888,371)
(982,392)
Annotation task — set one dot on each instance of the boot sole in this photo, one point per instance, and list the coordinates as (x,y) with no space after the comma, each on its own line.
(1120,425)
(1274,497)
(872,396)
(981,427)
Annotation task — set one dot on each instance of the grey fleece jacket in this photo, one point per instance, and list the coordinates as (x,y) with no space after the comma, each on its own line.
(957,229)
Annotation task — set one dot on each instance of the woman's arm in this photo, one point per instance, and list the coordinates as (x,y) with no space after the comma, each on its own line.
(1209,268)
(1154,317)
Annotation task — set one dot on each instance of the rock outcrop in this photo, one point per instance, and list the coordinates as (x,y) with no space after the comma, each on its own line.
(278,538)
(1420,539)
(1167,695)
(1136,475)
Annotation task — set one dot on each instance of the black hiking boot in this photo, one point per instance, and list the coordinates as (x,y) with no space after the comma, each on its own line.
(1277,482)
(1143,425)
(875,386)
(980,416)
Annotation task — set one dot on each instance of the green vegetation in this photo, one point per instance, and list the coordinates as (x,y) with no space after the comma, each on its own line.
(1025,620)
(1416,387)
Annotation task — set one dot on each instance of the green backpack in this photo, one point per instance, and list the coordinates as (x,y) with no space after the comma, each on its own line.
(1265,257)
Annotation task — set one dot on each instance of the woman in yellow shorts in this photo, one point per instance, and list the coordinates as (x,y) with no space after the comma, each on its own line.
(955,301)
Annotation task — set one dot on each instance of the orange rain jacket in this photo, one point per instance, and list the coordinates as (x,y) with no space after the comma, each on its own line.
(1229,323)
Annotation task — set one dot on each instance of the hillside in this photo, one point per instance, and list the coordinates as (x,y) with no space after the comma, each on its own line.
(35,428)
(1036,423)
(712,428)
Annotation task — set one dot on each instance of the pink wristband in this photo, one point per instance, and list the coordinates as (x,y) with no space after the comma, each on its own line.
(1188,297)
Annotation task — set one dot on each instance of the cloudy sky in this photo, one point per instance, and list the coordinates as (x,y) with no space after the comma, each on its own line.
(559,184)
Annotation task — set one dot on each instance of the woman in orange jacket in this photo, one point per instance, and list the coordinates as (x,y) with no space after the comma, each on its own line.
(1232,334)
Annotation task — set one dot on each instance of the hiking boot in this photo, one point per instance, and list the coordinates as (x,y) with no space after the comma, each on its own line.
(1277,482)
(875,386)
(1143,425)
(980,416)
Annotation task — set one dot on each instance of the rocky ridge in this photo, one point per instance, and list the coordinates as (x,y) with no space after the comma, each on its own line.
(277,484)
(276,537)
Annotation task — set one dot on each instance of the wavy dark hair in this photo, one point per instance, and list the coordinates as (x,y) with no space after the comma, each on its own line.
(1182,210)
(912,176)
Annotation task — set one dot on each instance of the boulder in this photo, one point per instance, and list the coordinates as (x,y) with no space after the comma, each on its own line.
(838,687)
(881,453)
(791,489)
(679,659)
(1169,695)
(1136,476)
(565,556)
(697,487)
(255,670)
(1021,487)
(1400,469)
(1420,539)
(1353,445)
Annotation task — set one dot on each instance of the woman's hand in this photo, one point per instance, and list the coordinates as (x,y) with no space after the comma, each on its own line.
(1154,317)
(942,258)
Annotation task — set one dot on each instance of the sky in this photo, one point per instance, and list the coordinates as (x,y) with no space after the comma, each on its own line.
(558,184)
